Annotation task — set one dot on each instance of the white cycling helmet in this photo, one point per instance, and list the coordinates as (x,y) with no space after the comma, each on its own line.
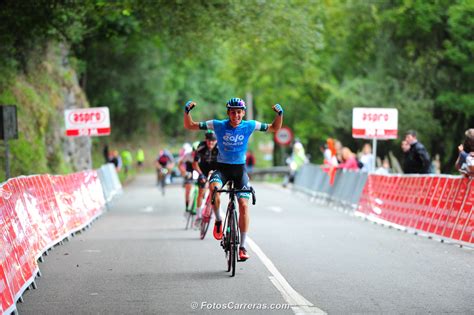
(187,148)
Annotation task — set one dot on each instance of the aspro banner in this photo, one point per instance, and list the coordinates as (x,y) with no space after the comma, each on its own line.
(374,123)
(87,122)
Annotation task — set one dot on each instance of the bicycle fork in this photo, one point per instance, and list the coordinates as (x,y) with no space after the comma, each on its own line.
(230,220)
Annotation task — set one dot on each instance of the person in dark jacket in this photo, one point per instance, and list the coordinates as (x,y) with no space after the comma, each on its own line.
(466,154)
(417,159)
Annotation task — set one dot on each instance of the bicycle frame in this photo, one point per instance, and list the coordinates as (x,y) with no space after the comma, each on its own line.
(231,235)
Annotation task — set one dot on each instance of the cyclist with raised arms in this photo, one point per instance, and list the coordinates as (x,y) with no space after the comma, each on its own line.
(205,160)
(232,139)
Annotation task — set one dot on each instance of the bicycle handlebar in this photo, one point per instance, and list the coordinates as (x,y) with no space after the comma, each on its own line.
(251,190)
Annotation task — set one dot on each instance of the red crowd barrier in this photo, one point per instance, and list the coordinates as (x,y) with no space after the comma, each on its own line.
(37,212)
(440,205)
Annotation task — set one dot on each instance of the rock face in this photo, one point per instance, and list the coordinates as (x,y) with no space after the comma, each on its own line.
(77,150)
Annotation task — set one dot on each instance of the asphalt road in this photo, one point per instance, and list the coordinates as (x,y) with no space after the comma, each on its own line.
(137,258)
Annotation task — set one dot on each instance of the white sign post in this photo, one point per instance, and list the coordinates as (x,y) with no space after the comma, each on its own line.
(374,123)
(87,122)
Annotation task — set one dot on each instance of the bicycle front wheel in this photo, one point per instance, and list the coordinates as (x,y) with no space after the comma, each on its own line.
(233,242)
(163,184)
(189,220)
(228,248)
(204,227)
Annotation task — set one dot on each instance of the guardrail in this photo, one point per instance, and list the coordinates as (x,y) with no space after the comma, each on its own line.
(276,170)
(38,212)
(345,192)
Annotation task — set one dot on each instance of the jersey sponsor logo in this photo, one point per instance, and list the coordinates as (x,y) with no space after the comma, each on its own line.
(230,139)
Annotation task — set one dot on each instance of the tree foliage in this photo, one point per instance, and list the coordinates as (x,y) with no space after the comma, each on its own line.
(317,58)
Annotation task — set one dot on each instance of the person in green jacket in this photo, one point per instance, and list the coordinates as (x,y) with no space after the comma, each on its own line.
(126,160)
(297,159)
(140,158)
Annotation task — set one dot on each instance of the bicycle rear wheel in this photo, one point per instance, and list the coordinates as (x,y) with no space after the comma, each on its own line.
(228,247)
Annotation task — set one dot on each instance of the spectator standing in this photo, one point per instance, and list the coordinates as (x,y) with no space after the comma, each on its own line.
(367,158)
(465,161)
(349,160)
(298,156)
(126,160)
(384,169)
(338,149)
(115,159)
(329,153)
(405,148)
(140,158)
(295,162)
(417,159)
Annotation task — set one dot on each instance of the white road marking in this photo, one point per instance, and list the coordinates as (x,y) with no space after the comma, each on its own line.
(275,209)
(91,251)
(147,209)
(298,303)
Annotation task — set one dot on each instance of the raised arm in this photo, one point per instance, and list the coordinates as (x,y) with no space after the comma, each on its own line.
(278,121)
(189,123)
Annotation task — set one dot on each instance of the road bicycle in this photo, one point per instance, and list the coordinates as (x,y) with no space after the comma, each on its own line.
(231,236)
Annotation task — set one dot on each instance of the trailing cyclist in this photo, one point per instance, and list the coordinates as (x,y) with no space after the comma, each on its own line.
(164,160)
(232,139)
(205,160)
(185,166)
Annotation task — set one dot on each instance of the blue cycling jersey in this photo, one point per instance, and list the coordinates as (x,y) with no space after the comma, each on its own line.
(232,142)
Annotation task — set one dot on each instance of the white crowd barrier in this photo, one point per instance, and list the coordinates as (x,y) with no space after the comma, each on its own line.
(345,192)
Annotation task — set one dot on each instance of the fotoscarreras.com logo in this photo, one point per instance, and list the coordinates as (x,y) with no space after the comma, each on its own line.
(238,306)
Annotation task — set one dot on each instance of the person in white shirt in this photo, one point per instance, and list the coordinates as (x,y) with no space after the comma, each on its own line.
(367,158)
